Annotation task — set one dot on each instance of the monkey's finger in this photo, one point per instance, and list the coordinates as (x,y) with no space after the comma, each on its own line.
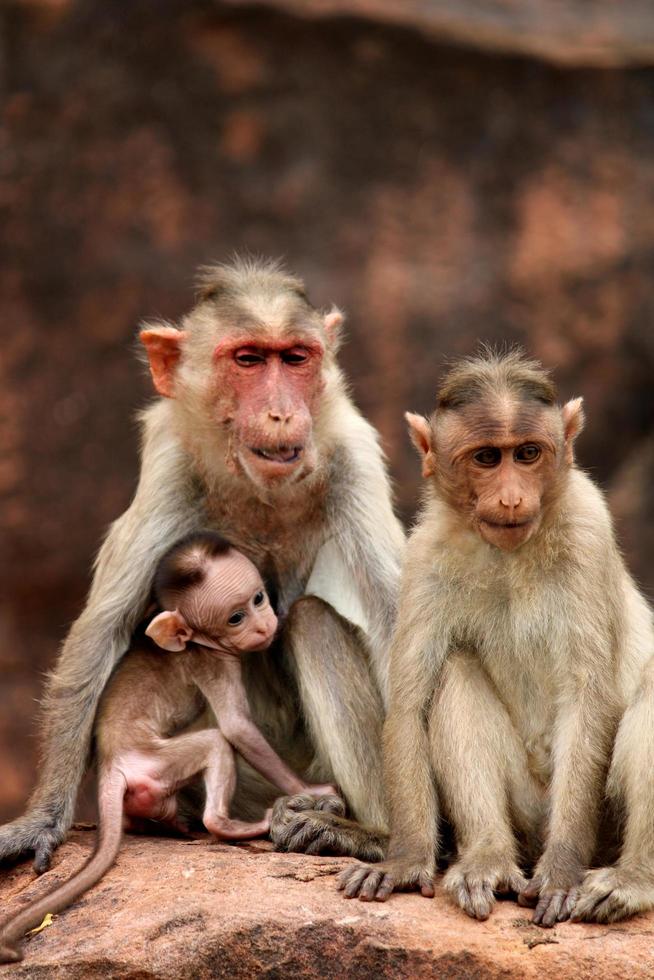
(386,888)
(548,908)
(316,846)
(482,900)
(426,883)
(301,802)
(330,804)
(43,856)
(569,904)
(368,889)
(528,897)
(355,881)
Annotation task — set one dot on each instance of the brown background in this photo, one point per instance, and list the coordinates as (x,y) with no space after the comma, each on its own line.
(417,164)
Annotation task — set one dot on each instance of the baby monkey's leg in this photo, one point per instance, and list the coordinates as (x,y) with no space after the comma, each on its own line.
(220,784)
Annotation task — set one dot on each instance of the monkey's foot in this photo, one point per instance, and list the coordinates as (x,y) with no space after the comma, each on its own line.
(302,823)
(473,882)
(224,828)
(611,894)
(40,833)
(378,882)
(553,891)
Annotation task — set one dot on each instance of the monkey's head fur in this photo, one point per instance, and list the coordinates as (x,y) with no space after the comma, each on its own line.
(498,447)
(249,368)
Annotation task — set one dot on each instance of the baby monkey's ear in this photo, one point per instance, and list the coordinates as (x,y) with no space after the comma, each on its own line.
(170,631)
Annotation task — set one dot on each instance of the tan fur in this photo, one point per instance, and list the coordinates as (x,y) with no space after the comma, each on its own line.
(186,483)
(511,672)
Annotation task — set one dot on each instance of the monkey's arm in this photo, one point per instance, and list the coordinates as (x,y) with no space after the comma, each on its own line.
(416,655)
(227,698)
(370,542)
(585,730)
(162,510)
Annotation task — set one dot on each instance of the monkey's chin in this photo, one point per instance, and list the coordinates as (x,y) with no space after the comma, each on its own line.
(506,537)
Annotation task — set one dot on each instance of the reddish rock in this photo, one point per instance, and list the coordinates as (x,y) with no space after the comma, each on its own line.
(603,33)
(171,910)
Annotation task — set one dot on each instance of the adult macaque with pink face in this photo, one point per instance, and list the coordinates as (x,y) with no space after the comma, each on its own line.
(255,437)
(215,609)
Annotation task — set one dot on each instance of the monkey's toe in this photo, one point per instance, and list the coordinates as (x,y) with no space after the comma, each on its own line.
(331,804)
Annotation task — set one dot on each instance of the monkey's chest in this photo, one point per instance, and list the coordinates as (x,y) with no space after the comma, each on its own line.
(518,647)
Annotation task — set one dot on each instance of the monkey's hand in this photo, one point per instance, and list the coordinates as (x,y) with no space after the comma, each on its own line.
(318,826)
(611,894)
(378,882)
(553,890)
(475,879)
(39,832)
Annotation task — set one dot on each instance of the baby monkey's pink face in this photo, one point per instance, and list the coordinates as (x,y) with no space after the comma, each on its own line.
(227,611)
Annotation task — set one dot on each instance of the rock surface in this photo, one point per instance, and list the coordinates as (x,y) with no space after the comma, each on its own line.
(171,910)
(602,33)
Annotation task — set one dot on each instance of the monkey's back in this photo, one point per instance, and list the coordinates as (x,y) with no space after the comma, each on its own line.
(150,696)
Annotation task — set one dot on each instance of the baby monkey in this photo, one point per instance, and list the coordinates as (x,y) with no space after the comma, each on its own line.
(215,608)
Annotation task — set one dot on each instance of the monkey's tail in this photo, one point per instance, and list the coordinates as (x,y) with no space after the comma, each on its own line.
(110,807)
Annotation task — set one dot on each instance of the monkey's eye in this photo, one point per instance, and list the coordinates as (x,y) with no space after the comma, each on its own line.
(236,618)
(259,598)
(488,457)
(295,355)
(246,357)
(527,454)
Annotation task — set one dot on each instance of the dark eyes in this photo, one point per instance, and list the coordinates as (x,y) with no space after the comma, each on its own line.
(491,456)
(236,618)
(295,356)
(249,357)
(526,454)
(259,598)
(488,457)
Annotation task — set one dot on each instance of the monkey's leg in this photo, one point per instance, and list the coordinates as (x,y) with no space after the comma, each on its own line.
(220,784)
(481,768)
(612,893)
(344,714)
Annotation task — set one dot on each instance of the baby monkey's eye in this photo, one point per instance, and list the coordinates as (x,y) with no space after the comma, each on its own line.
(236,618)
(527,454)
(259,597)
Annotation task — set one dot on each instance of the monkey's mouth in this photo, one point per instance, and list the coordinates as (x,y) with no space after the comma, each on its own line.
(508,525)
(286,455)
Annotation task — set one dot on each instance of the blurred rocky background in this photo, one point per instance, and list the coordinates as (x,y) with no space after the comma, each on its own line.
(445,171)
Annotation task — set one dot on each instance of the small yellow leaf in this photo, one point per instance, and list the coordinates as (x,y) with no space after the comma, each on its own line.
(44,925)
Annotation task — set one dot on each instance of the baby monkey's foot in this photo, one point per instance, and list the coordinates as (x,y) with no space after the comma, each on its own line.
(224,828)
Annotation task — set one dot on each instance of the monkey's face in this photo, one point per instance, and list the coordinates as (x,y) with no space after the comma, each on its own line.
(266,396)
(499,465)
(250,393)
(230,607)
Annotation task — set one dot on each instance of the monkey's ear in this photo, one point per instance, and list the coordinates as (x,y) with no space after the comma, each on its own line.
(170,631)
(333,322)
(163,345)
(420,433)
(573,417)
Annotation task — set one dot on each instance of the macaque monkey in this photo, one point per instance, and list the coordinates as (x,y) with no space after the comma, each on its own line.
(214,609)
(254,436)
(522,668)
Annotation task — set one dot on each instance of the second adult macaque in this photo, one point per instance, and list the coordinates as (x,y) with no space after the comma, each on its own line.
(214,609)
(522,669)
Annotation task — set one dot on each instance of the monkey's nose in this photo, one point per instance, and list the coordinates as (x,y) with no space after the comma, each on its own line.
(280,416)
